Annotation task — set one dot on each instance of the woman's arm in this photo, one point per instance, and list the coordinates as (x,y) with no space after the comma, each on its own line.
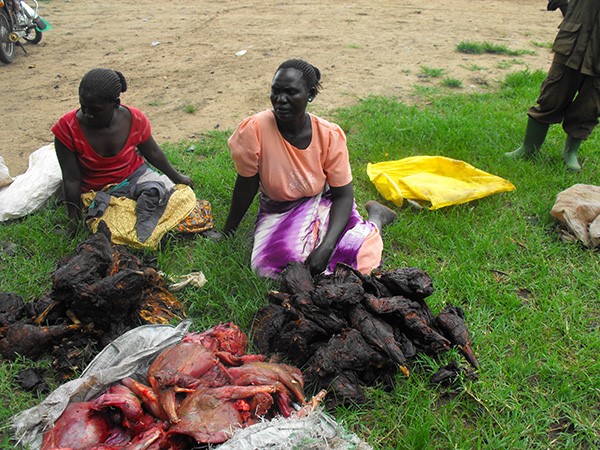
(244,191)
(71,180)
(342,203)
(151,151)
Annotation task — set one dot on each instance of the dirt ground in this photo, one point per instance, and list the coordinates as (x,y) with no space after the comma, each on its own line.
(196,66)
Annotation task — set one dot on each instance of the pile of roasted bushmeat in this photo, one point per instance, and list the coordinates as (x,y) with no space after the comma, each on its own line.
(348,330)
(345,331)
(196,392)
(98,293)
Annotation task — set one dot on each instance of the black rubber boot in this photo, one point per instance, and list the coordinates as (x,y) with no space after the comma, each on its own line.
(535,135)
(570,153)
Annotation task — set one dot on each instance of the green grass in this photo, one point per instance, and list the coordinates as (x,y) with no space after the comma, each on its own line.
(508,64)
(431,72)
(450,82)
(473,67)
(546,44)
(530,300)
(190,109)
(479,48)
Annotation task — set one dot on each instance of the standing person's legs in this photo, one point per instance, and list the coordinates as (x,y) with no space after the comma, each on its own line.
(581,117)
(556,94)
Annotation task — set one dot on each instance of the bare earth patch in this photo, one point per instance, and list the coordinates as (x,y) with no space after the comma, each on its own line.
(184,63)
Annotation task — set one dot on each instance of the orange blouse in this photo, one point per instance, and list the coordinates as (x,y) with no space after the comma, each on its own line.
(287,173)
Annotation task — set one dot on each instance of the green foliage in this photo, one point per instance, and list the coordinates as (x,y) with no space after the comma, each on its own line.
(431,72)
(530,300)
(452,82)
(547,44)
(190,109)
(479,48)
(507,64)
(473,67)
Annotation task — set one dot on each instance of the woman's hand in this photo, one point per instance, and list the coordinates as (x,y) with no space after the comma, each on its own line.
(73,227)
(318,259)
(342,200)
(183,179)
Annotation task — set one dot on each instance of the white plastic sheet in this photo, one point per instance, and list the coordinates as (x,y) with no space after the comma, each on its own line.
(30,191)
(5,178)
(317,430)
(130,354)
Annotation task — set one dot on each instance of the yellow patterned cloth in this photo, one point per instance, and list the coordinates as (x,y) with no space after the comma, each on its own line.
(200,219)
(121,218)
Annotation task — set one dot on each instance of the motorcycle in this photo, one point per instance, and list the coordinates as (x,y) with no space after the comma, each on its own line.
(19,21)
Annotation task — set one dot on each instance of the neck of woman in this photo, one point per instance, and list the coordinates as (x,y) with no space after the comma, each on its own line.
(293,127)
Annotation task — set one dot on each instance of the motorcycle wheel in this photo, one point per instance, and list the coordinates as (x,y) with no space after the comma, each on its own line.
(7,48)
(33,36)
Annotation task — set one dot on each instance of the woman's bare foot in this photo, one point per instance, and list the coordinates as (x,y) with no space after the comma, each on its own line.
(379,214)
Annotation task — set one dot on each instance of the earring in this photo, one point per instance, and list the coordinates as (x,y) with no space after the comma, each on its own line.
(310,99)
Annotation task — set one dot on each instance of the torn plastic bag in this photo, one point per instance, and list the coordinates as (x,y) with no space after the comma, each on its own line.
(317,430)
(129,354)
(30,191)
(436,179)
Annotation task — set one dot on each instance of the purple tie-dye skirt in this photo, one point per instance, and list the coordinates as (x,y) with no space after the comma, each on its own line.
(289,231)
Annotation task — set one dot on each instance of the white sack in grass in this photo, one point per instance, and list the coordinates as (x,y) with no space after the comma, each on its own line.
(315,431)
(129,354)
(28,192)
(578,210)
(5,178)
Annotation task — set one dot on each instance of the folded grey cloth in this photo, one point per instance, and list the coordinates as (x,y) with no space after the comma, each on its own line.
(148,188)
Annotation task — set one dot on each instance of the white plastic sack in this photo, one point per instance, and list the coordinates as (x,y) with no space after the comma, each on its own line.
(317,430)
(129,354)
(29,191)
(5,178)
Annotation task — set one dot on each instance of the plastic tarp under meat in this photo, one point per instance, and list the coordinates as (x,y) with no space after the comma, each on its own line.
(436,179)
(317,430)
(130,354)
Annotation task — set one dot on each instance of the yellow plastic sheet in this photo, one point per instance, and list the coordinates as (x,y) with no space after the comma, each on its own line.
(436,179)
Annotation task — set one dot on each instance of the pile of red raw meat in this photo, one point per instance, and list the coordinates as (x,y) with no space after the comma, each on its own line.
(196,392)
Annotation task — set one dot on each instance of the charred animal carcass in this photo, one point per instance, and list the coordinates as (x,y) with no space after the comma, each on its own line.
(347,329)
(98,293)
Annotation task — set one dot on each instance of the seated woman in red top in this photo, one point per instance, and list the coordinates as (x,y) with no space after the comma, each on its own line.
(103,146)
(301,165)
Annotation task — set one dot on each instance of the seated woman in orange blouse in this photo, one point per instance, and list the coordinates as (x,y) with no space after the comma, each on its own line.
(301,165)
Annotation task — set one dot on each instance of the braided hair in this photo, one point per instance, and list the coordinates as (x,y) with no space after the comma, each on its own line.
(310,74)
(103,84)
